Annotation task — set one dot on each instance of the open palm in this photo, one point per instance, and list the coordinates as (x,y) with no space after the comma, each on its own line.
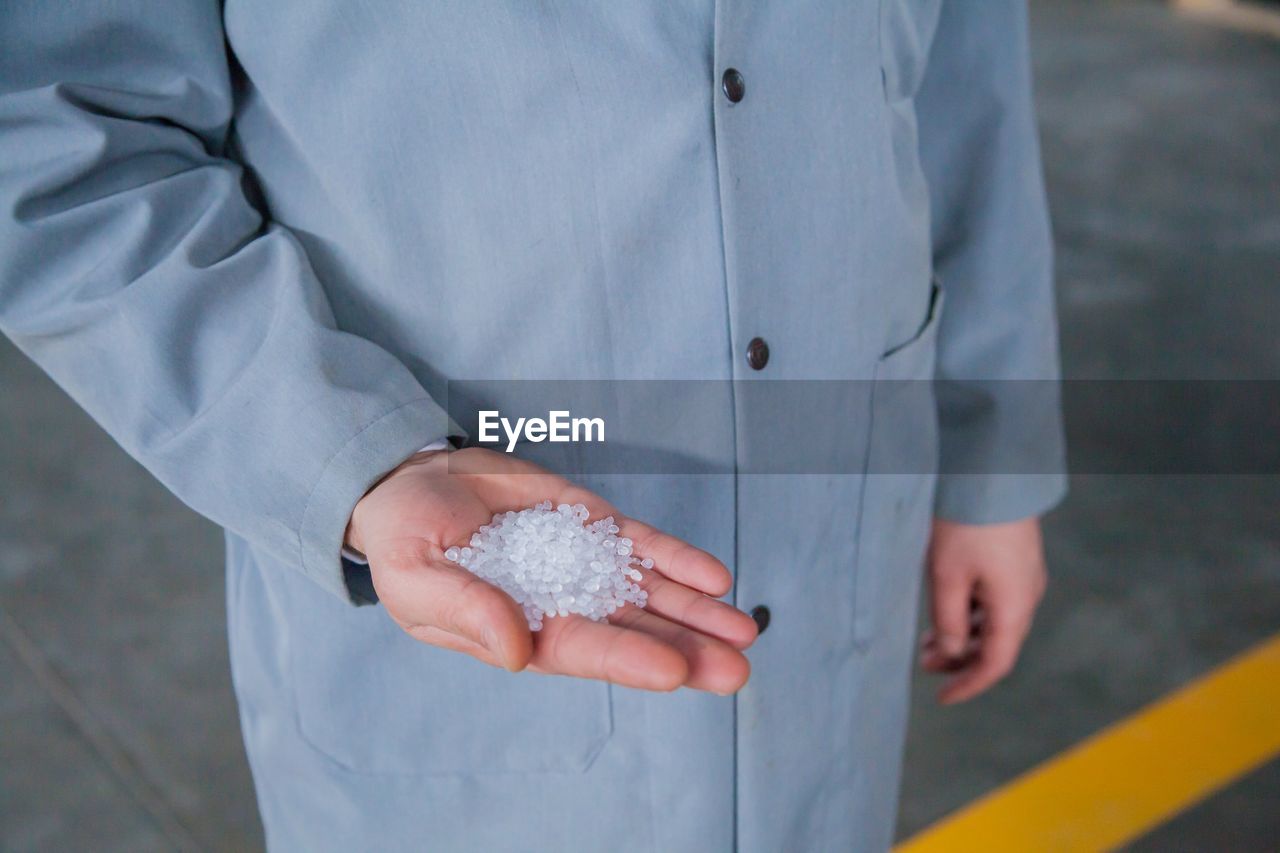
(683,637)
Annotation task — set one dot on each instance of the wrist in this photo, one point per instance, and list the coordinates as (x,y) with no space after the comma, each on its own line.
(352,541)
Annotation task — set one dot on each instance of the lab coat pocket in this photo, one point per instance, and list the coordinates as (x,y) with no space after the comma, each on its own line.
(376,701)
(897,494)
(906,32)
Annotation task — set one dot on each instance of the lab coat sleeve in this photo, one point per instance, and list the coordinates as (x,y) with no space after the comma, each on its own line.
(1003,454)
(136,273)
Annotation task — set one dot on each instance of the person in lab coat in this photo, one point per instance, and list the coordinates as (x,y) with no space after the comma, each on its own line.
(259,242)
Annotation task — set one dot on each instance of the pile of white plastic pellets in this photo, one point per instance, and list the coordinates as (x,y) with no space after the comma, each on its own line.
(553,563)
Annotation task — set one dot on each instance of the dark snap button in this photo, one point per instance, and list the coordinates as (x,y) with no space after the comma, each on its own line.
(757,354)
(760,614)
(733,84)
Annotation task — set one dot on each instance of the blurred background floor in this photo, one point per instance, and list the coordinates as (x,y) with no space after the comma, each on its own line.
(118,727)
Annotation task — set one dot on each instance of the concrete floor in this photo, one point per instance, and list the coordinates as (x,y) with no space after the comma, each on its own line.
(117,724)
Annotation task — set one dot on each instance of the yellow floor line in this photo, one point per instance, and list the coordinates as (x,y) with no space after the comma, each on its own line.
(1134,775)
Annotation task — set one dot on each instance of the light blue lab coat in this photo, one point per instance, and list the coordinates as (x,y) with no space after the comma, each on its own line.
(256,240)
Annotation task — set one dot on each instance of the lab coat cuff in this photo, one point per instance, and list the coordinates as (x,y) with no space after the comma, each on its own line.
(997,498)
(365,458)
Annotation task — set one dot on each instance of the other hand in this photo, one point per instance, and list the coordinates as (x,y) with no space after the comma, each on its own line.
(986,582)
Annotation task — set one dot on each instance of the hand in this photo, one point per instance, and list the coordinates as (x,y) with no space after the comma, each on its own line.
(435,500)
(987,581)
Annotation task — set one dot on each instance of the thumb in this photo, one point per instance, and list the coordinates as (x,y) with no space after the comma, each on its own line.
(950,605)
(426,592)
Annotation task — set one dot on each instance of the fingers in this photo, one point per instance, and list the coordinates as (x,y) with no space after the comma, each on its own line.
(421,590)
(445,640)
(678,603)
(933,660)
(640,653)
(1002,636)
(713,665)
(688,639)
(987,581)
(673,557)
(710,664)
(574,645)
(639,649)
(951,596)
(676,558)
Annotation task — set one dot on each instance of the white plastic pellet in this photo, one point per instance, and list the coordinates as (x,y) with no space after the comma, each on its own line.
(554,564)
